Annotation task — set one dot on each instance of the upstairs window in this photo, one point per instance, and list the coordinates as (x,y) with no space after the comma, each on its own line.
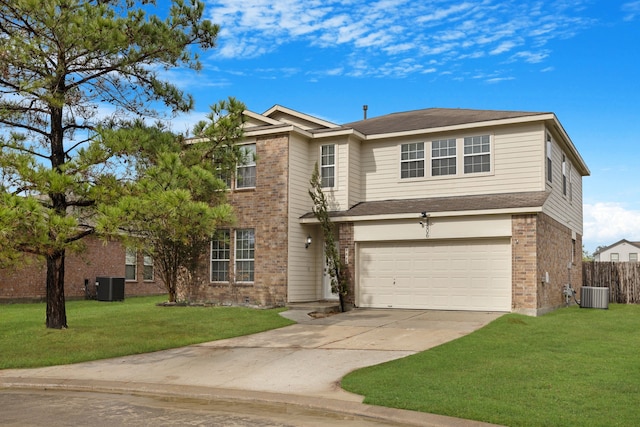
(130,264)
(477,154)
(220,256)
(328,166)
(549,162)
(245,249)
(564,175)
(412,160)
(246,172)
(443,157)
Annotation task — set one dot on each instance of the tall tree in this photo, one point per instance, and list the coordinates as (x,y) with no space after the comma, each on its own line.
(339,280)
(177,199)
(60,61)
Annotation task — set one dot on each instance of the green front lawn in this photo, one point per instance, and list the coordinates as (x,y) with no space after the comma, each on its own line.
(572,367)
(99,330)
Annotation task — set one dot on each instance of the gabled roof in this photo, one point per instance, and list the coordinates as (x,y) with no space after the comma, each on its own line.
(487,202)
(431,118)
(305,121)
(636,244)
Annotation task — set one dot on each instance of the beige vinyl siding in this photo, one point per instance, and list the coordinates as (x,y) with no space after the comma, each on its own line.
(564,209)
(338,195)
(515,154)
(354,173)
(304,264)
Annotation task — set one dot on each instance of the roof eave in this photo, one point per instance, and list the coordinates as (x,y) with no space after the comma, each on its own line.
(417,215)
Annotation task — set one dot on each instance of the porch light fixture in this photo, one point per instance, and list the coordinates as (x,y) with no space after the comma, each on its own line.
(307,242)
(424,216)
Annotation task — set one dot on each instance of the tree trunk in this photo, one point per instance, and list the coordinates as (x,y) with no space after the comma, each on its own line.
(56,310)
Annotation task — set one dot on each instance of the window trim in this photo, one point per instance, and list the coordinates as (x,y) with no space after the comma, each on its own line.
(480,154)
(564,175)
(127,257)
(238,258)
(226,250)
(329,166)
(549,159)
(250,163)
(147,261)
(409,160)
(445,157)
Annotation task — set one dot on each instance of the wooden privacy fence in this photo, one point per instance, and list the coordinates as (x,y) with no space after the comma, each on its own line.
(622,279)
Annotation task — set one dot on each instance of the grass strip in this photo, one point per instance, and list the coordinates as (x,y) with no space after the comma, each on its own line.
(100,330)
(571,367)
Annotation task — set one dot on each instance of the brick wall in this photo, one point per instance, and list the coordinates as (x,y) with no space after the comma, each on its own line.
(265,209)
(524,263)
(28,282)
(345,233)
(542,245)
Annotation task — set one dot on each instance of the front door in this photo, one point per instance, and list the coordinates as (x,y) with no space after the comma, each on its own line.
(326,280)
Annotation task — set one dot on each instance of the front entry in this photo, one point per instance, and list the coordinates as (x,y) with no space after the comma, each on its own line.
(326,280)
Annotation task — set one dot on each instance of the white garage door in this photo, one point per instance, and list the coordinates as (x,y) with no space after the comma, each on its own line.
(437,275)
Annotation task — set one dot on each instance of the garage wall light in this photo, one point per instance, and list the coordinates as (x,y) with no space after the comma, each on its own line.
(424,216)
(307,242)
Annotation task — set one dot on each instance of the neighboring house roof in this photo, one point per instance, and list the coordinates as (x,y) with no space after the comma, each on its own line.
(432,118)
(509,201)
(636,244)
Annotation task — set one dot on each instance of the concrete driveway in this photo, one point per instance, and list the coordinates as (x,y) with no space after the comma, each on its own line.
(306,359)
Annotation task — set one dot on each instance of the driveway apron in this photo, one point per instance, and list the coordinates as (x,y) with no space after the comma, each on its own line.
(305,359)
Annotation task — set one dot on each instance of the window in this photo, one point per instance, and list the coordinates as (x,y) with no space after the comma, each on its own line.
(549,162)
(246,172)
(147,272)
(614,257)
(245,243)
(477,157)
(220,254)
(131,264)
(412,160)
(633,257)
(564,175)
(570,183)
(328,165)
(443,157)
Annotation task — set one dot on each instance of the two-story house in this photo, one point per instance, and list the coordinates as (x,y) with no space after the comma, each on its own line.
(621,251)
(449,209)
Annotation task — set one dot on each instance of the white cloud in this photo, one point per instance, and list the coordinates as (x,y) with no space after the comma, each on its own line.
(631,10)
(606,223)
(447,29)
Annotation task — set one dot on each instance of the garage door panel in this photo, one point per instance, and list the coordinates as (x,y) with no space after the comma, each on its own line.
(446,275)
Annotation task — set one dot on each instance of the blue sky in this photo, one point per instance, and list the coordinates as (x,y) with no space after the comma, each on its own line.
(576,58)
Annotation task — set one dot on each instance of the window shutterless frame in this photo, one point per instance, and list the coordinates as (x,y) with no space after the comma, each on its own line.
(412,160)
(328,165)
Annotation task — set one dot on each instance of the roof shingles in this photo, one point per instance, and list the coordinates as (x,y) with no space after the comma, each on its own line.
(534,199)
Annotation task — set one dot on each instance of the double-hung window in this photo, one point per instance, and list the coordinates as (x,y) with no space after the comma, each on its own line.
(246,172)
(549,161)
(412,160)
(220,254)
(245,249)
(615,257)
(147,272)
(131,264)
(443,157)
(477,154)
(564,175)
(633,257)
(328,166)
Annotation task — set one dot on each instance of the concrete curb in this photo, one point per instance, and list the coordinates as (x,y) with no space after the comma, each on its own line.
(405,417)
